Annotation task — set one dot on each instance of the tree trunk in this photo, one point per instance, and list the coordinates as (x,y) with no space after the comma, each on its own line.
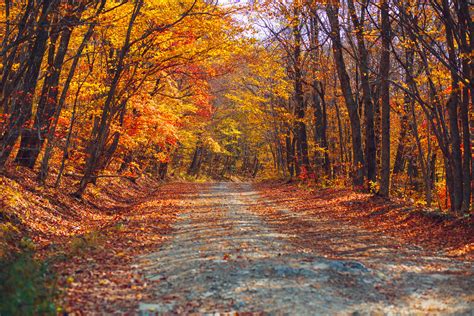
(33,140)
(163,170)
(44,169)
(320,130)
(358,155)
(196,162)
(290,154)
(408,103)
(370,145)
(385,99)
(10,78)
(22,105)
(99,141)
(466,30)
(300,127)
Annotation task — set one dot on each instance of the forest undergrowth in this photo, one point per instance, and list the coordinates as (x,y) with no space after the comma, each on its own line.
(61,250)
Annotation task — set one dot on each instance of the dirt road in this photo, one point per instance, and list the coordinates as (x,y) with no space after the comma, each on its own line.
(224,256)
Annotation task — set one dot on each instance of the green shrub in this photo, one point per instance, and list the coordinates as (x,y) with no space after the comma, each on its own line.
(27,287)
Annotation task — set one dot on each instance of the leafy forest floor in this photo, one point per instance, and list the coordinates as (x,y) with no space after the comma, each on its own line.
(200,247)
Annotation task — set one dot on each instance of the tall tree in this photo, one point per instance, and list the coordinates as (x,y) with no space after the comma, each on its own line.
(385,97)
(22,103)
(33,138)
(300,126)
(358,163)
(363,60)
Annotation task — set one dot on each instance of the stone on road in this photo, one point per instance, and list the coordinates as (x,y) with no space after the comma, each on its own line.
(223,257)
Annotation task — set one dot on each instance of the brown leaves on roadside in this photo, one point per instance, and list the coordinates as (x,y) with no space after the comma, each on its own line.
(405,224)
(108,280)
(97,237)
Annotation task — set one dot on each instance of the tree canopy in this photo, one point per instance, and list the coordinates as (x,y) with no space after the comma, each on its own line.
(374,94)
